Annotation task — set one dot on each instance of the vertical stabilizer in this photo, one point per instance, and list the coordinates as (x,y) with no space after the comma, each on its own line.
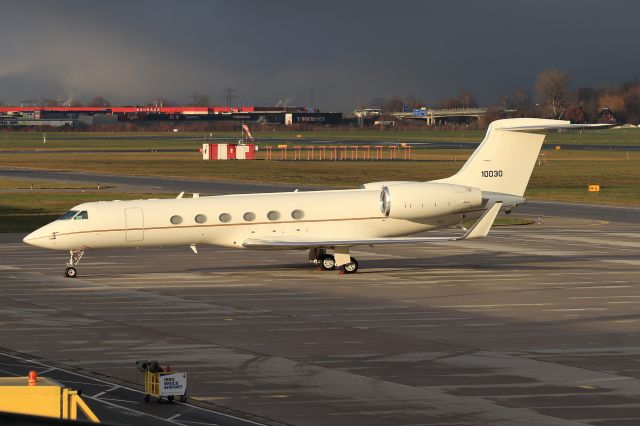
(505,159)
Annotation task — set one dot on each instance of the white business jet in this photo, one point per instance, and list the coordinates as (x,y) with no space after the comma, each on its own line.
(327,223)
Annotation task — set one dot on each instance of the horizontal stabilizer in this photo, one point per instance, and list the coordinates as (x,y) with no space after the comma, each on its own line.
(478,230)
(481,228)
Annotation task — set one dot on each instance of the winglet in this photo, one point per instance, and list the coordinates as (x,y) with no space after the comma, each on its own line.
(481,228)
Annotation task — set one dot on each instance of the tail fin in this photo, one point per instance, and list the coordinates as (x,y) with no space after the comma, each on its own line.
(505,159)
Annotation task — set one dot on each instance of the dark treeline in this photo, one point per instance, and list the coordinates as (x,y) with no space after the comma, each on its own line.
(552,98)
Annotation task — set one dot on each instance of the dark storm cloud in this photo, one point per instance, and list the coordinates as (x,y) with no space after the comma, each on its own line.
(134,52)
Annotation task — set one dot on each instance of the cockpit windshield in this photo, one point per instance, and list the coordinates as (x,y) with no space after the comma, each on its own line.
(68,215)
(82,215)
(75,215)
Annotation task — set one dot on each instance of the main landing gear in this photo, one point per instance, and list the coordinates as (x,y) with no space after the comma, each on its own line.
(74,259)
(339,260)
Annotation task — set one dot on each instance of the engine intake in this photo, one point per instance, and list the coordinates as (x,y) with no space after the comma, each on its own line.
(419,200)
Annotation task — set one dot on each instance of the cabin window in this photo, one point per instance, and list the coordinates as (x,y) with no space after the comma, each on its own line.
(297,214)
(176,220)
(68,215)
(82,215)
(249,216)
(224,217)
(273,215)
(201,218)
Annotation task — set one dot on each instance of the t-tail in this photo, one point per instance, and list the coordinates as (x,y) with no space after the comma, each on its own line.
(502,164)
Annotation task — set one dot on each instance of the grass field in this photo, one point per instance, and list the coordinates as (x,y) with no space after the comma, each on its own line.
(26,211)
(561,175)
(156,140)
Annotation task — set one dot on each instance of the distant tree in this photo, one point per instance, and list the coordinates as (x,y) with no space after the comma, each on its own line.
(76,103)
(377,102)
(552,88)
(449,103)
(198,99)
(98,101)
(587,98)
(394,104)
(466,100)
(162,102)
(614,104)
(411,102)
(521,101)
(505,103)
(491,115)
(575,115)
(632,104)
(50,102)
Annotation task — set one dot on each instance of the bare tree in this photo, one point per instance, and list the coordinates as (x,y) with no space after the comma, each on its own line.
(50,102)
(632,104)
(198,99)
(615,103)
(552,88)
(394,104)
(98,101)
(521,101)
(466,100)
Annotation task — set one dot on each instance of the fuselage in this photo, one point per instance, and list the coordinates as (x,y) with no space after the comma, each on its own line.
(229,220)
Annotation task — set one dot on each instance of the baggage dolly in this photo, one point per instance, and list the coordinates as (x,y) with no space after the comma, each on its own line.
(162,384)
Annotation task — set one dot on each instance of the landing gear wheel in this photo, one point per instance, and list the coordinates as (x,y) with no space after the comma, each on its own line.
(170,398)
(327,262)
(183,398)
(350,268)
(74,259)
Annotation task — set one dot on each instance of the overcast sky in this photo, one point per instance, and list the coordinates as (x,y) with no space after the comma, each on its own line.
(348,52)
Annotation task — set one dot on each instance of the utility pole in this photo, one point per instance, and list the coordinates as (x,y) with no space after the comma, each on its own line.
(229,95)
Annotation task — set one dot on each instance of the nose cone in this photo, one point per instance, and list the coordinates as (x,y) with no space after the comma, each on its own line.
(41,237)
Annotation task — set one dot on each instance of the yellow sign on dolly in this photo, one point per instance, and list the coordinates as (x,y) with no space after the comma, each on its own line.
(594,188)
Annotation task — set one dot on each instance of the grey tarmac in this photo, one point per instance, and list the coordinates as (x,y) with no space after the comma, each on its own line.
(534,325)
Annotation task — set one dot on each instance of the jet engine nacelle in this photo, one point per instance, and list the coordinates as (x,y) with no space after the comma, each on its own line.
(419,200)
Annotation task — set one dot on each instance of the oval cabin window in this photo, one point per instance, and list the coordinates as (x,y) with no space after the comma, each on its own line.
(224,217)
(297,214)
(201,218)
(273,215)
(249,216)
(176,220)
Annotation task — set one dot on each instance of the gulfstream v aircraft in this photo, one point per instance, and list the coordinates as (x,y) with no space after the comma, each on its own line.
(327,223)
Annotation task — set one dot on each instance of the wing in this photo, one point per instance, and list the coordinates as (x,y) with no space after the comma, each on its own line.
(479,229)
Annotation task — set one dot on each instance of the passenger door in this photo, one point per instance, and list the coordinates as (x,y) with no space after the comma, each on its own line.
(134,223)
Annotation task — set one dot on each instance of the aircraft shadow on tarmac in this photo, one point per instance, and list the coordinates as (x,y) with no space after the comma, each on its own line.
(494,262)
(486,261)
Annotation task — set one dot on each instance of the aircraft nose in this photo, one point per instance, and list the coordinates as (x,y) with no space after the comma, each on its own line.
(39,238)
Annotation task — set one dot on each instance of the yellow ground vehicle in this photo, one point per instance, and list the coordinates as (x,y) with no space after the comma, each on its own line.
(41,396)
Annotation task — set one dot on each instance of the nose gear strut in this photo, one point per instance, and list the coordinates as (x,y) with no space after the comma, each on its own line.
(74,259)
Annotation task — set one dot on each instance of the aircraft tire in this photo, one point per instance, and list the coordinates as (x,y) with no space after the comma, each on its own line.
(350,268)
(327,262)
(71,272)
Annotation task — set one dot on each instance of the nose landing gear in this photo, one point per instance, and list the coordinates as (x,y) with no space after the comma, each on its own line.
(74,259)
